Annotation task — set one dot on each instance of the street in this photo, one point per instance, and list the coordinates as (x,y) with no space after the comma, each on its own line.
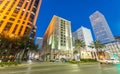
(62,68)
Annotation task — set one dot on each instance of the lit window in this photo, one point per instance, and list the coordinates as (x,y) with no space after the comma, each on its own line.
(4,17)
(1,22)
(15,28)
(8,26)
(20,30)
(18,21)
(12,19)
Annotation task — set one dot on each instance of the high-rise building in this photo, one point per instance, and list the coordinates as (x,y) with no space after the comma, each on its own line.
(101,28)
(85,35)
(57,39)
(18,17)
(39,41)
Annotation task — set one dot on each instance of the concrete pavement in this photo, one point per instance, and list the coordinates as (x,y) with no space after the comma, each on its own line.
(62,68)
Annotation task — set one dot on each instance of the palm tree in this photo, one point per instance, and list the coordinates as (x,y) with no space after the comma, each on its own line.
(98,46)
(15,46)
(27,45)
(79,44)
(75,52)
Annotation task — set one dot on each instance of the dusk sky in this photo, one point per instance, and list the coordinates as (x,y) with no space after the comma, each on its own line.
(78,12)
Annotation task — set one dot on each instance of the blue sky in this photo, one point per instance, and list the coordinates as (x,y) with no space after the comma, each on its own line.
(78,12)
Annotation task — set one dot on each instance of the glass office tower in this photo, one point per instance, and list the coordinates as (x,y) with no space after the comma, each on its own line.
(101,28)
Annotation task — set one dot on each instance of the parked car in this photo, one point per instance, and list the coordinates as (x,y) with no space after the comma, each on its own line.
(115,61)
(64,60)
(109,61)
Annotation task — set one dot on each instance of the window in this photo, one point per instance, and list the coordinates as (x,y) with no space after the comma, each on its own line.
(29,24)
(15,28)
(30,5)
(23,22)
(8,26)
(34,10)
(20,30)
(26,5)
(20,3)
(27,31)
(1,22)
(22,13)
(18,21)
(26,16)
(7,13)
(14,14)
(16,10)
(12,19)
(4,17)
(11,6)
(5,5)
(36,3)
(31,18)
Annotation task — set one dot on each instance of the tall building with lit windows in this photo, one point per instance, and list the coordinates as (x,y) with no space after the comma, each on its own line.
(101,28)
(57,41)
(84,34)
(18,17)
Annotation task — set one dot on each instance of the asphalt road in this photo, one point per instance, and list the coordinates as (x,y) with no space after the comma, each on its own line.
(62,68)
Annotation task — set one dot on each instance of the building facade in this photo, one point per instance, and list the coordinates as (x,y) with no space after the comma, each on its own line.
(18,17)
(85,35)
(117,38)
(101,28)
(113,50)
(57,41)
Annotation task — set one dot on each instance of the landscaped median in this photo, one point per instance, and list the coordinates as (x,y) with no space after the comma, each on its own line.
(7,64)
(84,61)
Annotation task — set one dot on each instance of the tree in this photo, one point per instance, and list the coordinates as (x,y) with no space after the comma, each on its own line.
(14,47)
(75,52)
(4,46)
(27,46)
(79,44)
(98,46)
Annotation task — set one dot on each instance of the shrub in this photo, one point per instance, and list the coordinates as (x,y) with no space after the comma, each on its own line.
(88,60)
(74,62)
(82,61)
(2,64)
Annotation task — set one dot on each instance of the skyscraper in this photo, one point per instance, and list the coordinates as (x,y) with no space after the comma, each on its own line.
(18,17)
(57,39)
(101,28)
(85,35)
